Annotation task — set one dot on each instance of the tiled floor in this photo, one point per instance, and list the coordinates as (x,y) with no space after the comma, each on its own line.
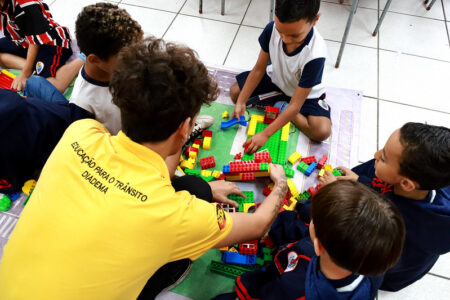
(404,72)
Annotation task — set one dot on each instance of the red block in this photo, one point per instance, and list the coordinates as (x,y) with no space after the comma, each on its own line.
(308,160)
(207,133)
(221,177)
(248,176)
(263,157)
(312,191)
(248,248)
(189,149)
(271,114)
(207,162)
(322,162)
(238,156)
(266,191)
(318,187)
(198,142)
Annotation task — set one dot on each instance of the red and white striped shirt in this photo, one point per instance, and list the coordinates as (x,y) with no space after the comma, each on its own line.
(28,22)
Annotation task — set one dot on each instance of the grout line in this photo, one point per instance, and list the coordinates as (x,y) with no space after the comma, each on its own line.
(378,83)
(415,106)
(237,31)
(390,11)
(173,20)
(439,276)
(445,21)
(158,9)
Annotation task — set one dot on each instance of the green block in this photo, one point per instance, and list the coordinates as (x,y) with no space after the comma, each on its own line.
(241,200)
(193,172)
(263,167)
(289,172)
(302,167)
(307,195)
(267,254)
(337,173)
(207,179)
(5,203)
(228,270)
(281,159)
(260,261)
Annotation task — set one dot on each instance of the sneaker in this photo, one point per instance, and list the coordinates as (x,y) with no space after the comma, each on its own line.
(183,269)
(202,122)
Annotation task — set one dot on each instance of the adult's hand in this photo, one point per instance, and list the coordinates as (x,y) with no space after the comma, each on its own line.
(221,189)
(277,174)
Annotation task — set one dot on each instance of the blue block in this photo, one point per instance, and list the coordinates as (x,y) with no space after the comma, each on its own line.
(251,259)
(238,258)
(226,169)
(311,168)
(14,196)
(232,122)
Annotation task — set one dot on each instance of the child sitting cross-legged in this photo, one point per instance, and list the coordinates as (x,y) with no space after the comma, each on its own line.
(355,236)
(413,170)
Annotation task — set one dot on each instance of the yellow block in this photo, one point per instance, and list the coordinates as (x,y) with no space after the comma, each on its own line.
(295,157)
(225,114)
(233,178)
(270,186)
(258,118)
(29,186)
(247,206)
(262,174)
(193,155)
(292,204)
(292,187)
(328,168)
(206,173)
(285,132)
(321,173)
(216,174)
(196,146)
(9,74)
(251,128)
(186,164)
(207,143)
(223,249)
(232,249)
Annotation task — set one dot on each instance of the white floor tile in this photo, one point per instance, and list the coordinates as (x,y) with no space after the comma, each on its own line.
(358,69)
(362,3)
(429,287)
(415,8)
(414,80)
(211,39)
(234,10)
(333,21)
(414,35)
(245,49)
(153,22)
(258,13)
(169,5)
(442,266)
(368,129)
(393,116)
(446,8)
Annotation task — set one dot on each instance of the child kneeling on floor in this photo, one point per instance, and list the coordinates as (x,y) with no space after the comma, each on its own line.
(355,236)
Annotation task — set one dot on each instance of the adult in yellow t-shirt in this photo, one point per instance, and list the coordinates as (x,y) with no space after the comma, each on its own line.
(104,216)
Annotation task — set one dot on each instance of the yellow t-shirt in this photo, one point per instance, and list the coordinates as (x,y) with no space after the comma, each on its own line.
(102,219)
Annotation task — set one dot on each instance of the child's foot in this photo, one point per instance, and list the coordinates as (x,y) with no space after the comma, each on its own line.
(327,178)
(201,123)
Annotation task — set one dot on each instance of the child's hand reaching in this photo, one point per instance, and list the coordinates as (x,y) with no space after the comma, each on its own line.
(327,178)
(347,174)
(257,141)
(19,82)
(239,110)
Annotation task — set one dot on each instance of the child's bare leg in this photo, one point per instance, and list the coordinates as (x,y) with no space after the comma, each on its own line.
(66,74)
(315,127)
(11,61)
(234,92)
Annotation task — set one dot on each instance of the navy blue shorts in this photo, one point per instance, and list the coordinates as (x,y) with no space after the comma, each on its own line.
(313,107)
(49,58)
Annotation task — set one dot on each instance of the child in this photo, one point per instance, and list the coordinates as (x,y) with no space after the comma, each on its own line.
(354,235)
(413,170)
(291,61)
(31,130)
(34,42)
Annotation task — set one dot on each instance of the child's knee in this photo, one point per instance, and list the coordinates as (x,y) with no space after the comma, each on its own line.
(321,128)
(234,92)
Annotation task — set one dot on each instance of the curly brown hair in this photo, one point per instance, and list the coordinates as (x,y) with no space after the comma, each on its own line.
(104,28)
(157,86)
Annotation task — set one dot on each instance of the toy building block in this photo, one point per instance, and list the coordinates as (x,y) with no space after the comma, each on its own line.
(237,177)
(238,156)
(221,177)
(270,114)
(207,133)
(198,142)
(294,157)
(266,191)
(186,164)
(285,132)
(289,172)
(207,179)
(190,149)
(292,187)
(263,157)
(228,208)
(249,247)
(207,162)
(14,196)
(267,254)
(302,167)
(232,249)
(307,195)
(232,122)
(321,173)
(216,174)
(281,157)
(192,172)
(318,187)
(328,168)
(308,160)
(337,173)
(225,115)
(311,168)
(231,271)
(312,191)
(291,204)
(207,143)
(241,200)
(248,207)
(254,120)
(5,202)
(193,155)
(322,162)
(237,258)
(248,177)
(206,173)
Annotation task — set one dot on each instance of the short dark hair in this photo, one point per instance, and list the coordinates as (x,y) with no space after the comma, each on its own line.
(288,11)
(361,231)
(426,155)
(157,86)
(104,28)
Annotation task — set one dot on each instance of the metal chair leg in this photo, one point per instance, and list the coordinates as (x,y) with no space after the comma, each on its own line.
(223,8)
(431,4)
(200,8)
(347,30)
(272,8)
(386,7)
